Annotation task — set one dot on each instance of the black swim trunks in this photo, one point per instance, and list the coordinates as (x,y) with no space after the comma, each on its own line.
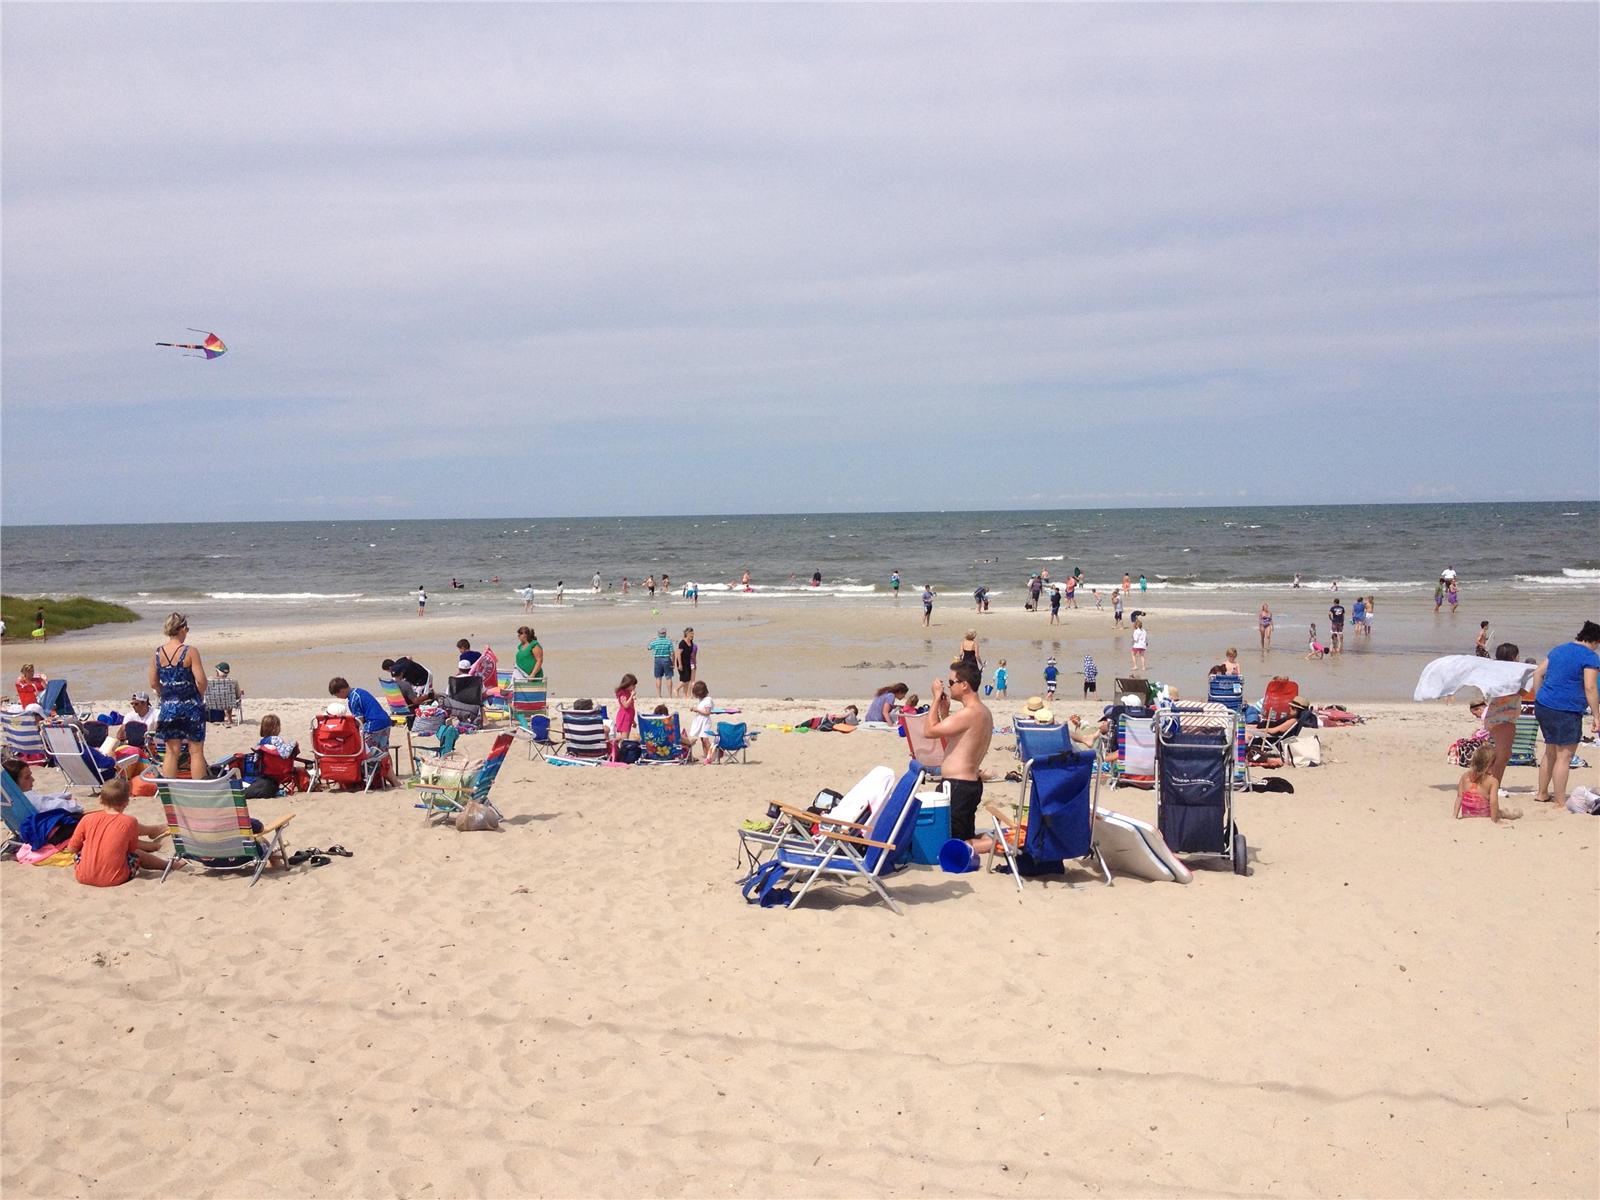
(965,796)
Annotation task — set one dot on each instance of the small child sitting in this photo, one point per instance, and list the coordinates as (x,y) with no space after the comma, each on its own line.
(109,843)
(1478,791)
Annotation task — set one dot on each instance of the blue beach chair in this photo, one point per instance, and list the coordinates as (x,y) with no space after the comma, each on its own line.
(733,739)
(1041,741)
(15,808)
(836,856)
(1060,816)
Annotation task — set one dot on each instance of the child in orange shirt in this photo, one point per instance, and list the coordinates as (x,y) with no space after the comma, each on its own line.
(108,842)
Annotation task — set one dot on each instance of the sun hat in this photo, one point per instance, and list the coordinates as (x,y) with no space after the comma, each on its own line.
(464,665)
(338,709)
(1045,715)
(1034,704)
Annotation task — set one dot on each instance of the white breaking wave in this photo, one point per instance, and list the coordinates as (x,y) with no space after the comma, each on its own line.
(1046,558)
(282,595)
(1569,577)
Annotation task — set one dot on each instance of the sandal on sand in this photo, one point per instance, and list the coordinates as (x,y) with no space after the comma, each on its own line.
(300,856)
(319,860)
(339,851)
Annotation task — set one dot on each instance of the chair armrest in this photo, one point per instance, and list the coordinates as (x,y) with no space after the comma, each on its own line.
(807,815)
(276,825)
(858,841)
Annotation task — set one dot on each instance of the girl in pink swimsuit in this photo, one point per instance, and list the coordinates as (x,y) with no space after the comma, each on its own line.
(1478,791)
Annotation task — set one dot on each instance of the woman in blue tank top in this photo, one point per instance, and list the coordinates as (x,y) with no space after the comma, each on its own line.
(179,679)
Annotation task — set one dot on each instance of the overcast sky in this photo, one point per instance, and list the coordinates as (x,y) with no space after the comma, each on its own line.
(549,260)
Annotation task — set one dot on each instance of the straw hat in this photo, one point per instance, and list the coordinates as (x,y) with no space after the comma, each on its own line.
(1045,716)
(1034,704)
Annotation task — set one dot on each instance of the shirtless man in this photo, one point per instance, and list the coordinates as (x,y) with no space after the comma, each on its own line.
(968,733)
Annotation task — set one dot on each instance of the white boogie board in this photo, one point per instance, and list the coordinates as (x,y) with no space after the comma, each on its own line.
(1131,847)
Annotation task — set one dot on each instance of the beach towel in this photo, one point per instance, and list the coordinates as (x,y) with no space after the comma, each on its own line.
(1446,676)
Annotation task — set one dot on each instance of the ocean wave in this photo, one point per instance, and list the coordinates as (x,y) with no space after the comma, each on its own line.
(1046,558)
(283,595)
(1569,577)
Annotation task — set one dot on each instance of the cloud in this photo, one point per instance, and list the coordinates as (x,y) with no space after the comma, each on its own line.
(798,252)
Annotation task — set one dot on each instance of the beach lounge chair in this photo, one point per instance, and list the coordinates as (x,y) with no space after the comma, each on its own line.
(23,737)
(56,702)
(850,810)
(733,741)
(1226,690)
(399,710)
(1041,741)
(74,759)
(209,820)
(1055,796)
(15,808)
(583,733)
(1525,743)
(835,855)
(925,750)
(661,739)
(444,800)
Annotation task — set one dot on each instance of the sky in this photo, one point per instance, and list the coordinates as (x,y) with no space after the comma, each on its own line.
(555,260)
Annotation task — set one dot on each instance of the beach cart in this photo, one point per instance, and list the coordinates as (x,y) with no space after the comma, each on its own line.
(1195,750)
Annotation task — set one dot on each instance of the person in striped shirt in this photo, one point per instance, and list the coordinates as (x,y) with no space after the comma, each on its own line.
(1090,674)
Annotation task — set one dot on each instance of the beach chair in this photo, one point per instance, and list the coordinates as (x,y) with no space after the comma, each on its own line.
(853,807)
(55,701)
(1134,686)
(1226,690)
(446,800)
(1056,802)
(835,855)
(661,739)
(74,759)
(529,699)
(1041,741)
(1525,743)
(1136,751)
(223,699)
(583,733)
(23,737)
(1194,796)
(209,820)
(1278,703)
(399,710)
(733,741)
(15,808)
(341,755)
(925,750)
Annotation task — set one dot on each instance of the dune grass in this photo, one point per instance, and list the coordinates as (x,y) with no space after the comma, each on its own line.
(60,616)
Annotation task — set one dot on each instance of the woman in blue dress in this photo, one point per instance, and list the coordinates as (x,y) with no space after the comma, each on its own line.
(179,679)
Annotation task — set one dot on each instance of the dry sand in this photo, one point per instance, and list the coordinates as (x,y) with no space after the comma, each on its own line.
(1395,1003)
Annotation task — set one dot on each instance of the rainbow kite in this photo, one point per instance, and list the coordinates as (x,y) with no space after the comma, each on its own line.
(212,347)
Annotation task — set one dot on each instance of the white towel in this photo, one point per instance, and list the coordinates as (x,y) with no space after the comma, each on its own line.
(1446,676)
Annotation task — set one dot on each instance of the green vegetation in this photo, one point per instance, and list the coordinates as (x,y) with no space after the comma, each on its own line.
(60,616)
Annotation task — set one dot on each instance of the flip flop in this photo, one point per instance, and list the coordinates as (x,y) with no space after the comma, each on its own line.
(319,860)
(339,851)
(300,856)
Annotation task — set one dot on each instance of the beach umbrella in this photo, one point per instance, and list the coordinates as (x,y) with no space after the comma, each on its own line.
(1446,676)
(212,347)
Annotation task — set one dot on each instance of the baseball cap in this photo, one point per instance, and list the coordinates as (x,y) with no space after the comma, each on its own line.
(224,668)
(145,696)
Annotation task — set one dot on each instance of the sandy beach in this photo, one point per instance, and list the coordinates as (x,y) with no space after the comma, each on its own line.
(1393,1003)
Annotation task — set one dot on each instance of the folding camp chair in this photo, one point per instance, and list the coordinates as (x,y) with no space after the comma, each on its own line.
(209,820)
(1060,815)
(661,739)
(443,800)
(733,742)
(1278,703)
(222,698)
(23,738)
(925,750)
(1226,690)
(399,710)
(838,856)
(56,702)
(1194,798)
(1136,751)
(1525,743)
(75,759)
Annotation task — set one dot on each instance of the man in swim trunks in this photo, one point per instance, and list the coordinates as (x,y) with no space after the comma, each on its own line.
(967,734)
(1336,627)
(927,603)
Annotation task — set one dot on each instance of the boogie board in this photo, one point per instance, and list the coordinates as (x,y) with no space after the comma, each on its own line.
(1131,847)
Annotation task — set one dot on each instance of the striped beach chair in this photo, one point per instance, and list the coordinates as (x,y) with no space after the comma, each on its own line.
(23,737)
(209,820)
(529,698)
(1525,743)
(15,808)
(447,799)
(395,699)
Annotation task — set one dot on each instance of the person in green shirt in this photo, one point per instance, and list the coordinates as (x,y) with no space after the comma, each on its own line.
(661,652)
(530,657)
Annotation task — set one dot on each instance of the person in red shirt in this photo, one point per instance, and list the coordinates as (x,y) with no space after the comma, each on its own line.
(29,686)
(109,842)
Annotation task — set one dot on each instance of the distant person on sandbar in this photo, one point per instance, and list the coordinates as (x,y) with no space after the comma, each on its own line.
(927,604)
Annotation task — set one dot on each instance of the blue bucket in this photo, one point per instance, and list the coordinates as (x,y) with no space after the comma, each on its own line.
(956,857)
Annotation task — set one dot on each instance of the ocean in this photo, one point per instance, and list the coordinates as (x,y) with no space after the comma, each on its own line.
(339,565)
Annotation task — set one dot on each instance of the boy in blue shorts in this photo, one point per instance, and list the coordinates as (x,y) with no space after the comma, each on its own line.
(1050,674)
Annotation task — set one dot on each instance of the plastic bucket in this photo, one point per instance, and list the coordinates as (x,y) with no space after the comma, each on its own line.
(932,829)
(956,857)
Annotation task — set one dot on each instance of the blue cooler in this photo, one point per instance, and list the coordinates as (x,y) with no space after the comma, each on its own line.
(933,827)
